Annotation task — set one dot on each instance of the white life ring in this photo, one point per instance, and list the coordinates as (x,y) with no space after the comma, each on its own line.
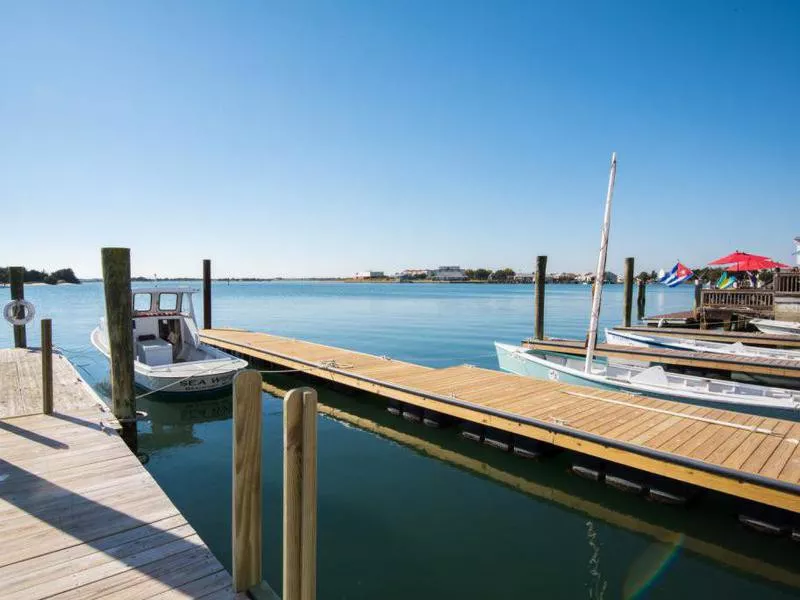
(11,309)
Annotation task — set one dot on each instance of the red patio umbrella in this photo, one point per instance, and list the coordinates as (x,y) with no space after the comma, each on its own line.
(737,257)
(755,264)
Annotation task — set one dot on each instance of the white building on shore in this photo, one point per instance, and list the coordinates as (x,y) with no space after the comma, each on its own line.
(450,273)
(369,274)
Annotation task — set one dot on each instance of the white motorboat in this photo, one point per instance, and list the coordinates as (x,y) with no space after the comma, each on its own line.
(168,353)
(652,381)
(626,338)
(776,327)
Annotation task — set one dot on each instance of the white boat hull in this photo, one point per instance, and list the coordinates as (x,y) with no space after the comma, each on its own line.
(186,377)
(654,382)
(776,327)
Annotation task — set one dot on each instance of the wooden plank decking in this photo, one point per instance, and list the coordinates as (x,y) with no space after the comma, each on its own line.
(750,338)
(750,457)
(80,517)
(684,358)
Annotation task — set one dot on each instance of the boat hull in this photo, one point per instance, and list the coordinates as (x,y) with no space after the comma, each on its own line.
(515,362)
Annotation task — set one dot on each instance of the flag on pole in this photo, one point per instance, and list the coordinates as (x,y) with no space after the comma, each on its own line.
(677,275)
(725,281)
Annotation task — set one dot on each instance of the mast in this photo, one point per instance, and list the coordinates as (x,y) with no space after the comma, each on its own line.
(601,268)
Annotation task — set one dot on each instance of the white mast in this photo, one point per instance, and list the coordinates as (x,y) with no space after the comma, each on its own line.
(601,267)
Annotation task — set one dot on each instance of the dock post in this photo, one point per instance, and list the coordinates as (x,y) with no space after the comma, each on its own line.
(308,560)
(640,299)
(698,292)
(117,288)
(246,519)
(541,273)
(627,301)
(299,494)
(47,366)
(206,293)
(16,280)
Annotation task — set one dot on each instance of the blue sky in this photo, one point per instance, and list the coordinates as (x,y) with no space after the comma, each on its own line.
(321,138)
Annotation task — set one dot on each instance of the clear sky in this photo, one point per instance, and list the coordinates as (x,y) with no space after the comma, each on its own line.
(322,138)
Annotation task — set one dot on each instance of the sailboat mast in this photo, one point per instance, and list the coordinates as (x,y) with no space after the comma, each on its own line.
(601,268)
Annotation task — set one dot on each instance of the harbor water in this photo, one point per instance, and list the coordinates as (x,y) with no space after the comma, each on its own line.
(415,512)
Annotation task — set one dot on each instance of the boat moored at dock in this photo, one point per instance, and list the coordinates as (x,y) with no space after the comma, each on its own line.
(168,353)
(652,381)
(776,327)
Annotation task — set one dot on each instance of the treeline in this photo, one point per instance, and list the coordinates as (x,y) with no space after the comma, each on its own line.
(489,275)
(34,276)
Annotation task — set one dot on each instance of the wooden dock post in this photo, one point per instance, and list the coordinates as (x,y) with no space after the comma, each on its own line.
(698,292)
(16,280)
(206,293)
(300,494)
(640,299)
(47,366)
(117,287)
(308,560)
(627,301)
(246,521)
(541,275)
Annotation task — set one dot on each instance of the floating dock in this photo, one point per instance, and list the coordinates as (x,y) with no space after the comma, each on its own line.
(80,517)
(749,457)
(753,365)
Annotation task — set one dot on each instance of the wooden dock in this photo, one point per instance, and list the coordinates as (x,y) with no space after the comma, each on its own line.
(683,358)
(749,338)
(80,517)
(750,457)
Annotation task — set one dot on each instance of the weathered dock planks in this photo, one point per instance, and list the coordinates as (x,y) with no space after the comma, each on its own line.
(754,458)
(79,515)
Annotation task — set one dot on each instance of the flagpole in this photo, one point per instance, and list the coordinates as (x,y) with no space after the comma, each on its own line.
(601,267)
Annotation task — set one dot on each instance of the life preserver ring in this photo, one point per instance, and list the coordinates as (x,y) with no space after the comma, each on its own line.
(13,308)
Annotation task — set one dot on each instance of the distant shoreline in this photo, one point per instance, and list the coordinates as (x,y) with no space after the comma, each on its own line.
(337,280)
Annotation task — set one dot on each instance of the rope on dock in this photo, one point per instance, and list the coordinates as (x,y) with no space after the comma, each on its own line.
(751,428)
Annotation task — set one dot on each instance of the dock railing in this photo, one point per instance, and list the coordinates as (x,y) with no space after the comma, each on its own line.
(787,283)
(755,299)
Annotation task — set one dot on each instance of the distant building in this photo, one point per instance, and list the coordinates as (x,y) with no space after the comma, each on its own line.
(369,274)
(524,278)
(449,273)
(415,273)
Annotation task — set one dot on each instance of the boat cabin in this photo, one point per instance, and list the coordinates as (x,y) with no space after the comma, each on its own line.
(164,327)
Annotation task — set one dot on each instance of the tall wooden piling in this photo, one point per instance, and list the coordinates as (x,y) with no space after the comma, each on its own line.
(300,495)
(206,294)
(16,280)
(246,521)
(640,299)
(698,293)
(119,319)
(292,493)
(541,275)
(627,303)
(47,366)
(308,558)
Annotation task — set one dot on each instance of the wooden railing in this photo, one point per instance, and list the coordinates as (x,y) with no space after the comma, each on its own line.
(787,283)
(747,298)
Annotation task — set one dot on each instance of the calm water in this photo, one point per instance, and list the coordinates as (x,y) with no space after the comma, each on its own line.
(401,520)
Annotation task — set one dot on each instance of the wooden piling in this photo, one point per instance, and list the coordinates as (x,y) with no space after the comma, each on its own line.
(541,274)
(640,299)
(292,493)
(246,518)
(16,280)
(117,287)
(627,303)
(47,366)
(206,294)
(308,560)
(698,292)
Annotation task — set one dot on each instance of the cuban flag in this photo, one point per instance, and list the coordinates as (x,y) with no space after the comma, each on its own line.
(677,275)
